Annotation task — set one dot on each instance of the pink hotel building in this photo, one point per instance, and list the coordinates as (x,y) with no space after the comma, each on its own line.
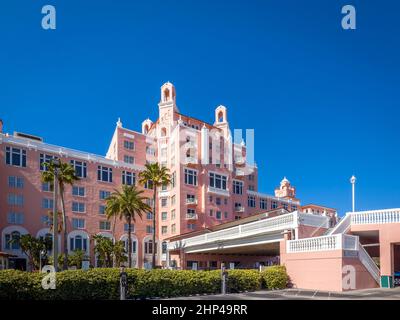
(211,213)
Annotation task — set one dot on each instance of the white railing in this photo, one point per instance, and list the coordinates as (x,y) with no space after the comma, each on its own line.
(283,222)
(369,264)
(191,201)
(376,216)
(324,243)
(239,209)
(191,217)
(191,160)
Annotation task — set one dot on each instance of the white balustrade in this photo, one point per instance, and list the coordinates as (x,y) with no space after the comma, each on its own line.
(376,216)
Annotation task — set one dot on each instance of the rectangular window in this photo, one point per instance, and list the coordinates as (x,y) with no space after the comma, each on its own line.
(173,200)
(129,145)
(237,187)
(15,218)
(104,194)
(126,227)
(148,185)
(47,203)
(15,199)
(104,174)
(128,178)
(173,214)
(294,208)
(78,191)
(164,216)
(149,229)
(105,225)
(263,203)
(164,229)
(45,158)
(225,201)
(173,179)
(285,206)
(164,202)
(211,213)
(251,187)
(191,177)
(151,151)
(173,228)
(129,159)
(78,223)
(102,209)
(78,207)
(218,201)
(47,187)
(218,215)
(226,215)
(16,182)
(251,201)
(217,181)
(149,216)
(15,157)
(191,226)
(274,205)
(80,168)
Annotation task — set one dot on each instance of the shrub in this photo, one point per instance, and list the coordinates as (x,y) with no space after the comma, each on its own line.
(244,280)
(103,284)
(275,277)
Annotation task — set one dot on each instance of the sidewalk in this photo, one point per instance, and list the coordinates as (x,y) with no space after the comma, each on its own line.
(299,294)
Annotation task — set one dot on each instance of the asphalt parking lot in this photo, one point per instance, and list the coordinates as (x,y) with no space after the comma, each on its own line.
(298,294)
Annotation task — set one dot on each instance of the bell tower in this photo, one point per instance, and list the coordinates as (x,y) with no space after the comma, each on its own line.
(167,109)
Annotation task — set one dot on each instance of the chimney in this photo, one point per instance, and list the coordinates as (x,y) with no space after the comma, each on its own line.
(1,126)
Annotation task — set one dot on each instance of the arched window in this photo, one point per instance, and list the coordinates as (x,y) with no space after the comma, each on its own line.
(78,243)
(12,241)
(148,247)
(134,246)
(146,129)
(164,247)
(166,95)
(163,132)
(220,116)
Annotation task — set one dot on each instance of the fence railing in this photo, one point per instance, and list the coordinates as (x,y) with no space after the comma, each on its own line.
(376,216)
(324,243)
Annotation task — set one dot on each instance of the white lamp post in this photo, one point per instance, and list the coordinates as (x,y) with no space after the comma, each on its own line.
(353,182)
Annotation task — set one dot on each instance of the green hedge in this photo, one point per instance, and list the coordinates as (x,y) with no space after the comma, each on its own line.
(104,283)
(275,277)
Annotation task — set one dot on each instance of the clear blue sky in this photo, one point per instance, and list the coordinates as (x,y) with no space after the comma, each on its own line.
(324,102)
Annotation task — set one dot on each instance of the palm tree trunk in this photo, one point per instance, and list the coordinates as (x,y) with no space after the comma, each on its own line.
(65,262)
(154,227)
(129,242)
(113,240)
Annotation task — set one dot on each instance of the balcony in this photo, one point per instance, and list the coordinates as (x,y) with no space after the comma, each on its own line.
(191,144)
(218,191)
(190,160)
(191,201)
(240,173)
(239,209)
(240,160)
(191,216)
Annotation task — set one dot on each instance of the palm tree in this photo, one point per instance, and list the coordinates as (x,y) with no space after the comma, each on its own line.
(126,204)
(66,176)
(157,176)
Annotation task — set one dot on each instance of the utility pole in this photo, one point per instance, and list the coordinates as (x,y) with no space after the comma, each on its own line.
(353,200)
(56,163)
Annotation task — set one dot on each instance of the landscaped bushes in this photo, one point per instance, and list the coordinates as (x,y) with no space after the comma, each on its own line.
(104,283)
(275,277)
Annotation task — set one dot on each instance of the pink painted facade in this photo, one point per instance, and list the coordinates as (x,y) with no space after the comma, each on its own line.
(214,187)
